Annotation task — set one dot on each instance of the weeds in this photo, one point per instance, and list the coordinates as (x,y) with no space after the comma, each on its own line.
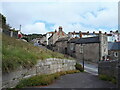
(108,78)
(41,80)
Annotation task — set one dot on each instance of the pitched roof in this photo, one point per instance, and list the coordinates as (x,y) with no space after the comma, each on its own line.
(73,40)
(63,39)
(113,45)
(88,40)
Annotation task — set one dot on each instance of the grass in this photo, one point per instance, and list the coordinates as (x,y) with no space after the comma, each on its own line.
(108,78)
(42,80)
(16,53)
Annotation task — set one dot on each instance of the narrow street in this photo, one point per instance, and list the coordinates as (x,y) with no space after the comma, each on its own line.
(87,79)
(91,68)
(80,80)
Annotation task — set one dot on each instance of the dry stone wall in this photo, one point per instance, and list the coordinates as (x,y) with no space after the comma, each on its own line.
(48,66)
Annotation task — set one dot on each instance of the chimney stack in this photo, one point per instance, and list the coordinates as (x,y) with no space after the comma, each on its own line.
(80,34)
(55,30)
(105,32)
(60,28)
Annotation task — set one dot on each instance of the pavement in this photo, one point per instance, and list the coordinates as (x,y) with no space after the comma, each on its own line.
(80,80)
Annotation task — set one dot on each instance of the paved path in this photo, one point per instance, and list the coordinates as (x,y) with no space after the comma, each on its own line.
(80,80)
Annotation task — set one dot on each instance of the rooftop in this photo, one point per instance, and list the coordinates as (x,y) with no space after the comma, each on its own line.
(113,45)
(88,40)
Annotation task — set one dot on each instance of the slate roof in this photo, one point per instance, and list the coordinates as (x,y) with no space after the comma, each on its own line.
(73,40)
(63,39)
(114,46)
(88,40)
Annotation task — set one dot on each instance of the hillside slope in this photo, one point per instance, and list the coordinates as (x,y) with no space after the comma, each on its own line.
(17,53)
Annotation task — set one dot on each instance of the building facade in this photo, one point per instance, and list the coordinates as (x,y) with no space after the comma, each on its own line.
(55,36)
(90,49)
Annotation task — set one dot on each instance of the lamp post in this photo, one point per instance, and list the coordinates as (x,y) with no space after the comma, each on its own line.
(83,55)
(82,52)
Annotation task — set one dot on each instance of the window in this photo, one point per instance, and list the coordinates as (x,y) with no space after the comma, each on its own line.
(71,47)
(81,49)
(116,54)
(105,50)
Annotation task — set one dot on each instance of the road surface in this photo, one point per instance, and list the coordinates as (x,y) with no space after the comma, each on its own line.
(80,80)
(91,68)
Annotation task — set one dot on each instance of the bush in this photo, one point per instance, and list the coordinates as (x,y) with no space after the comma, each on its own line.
(79,67)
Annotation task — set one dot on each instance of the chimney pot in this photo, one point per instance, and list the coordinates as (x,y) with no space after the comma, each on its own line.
(100,31)
(105,32)
(60,28)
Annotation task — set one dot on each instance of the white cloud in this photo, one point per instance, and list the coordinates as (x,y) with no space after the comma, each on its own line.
(70,15)
(38,28)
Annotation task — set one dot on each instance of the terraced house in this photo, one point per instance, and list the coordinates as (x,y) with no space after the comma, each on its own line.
(91,49)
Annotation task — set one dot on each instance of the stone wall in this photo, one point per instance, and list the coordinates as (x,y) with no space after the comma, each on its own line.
(47,66)
(108,68)
(88,52)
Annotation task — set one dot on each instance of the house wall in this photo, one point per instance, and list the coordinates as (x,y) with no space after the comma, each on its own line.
(61,47)
(71,49)
(90,52)
(55,37)
(103,46)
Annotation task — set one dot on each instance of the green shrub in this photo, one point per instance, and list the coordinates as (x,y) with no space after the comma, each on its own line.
(108,78)
(79,67)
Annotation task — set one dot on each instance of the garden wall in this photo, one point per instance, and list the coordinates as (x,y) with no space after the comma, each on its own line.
(47,66)
(108,68)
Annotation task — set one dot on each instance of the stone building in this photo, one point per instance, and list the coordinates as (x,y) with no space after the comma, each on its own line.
(113,50)
(71,47)
(55,36)
(90,49)
(61,45)
(12,32)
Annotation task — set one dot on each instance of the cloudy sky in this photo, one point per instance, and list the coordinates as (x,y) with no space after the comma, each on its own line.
(42,17)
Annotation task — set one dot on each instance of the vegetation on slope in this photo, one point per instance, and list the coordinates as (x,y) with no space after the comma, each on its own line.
(16,53)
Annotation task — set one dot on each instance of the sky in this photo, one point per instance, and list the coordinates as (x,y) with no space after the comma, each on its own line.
(43,17)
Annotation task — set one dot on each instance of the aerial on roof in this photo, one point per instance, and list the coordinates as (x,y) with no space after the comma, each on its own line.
(113,45)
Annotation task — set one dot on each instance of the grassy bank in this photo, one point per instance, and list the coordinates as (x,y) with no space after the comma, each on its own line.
(42,80)
(17,53)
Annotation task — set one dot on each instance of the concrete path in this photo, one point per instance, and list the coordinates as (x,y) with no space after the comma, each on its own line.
(80,80)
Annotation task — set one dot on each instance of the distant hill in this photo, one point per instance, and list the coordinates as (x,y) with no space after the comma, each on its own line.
(30,37)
